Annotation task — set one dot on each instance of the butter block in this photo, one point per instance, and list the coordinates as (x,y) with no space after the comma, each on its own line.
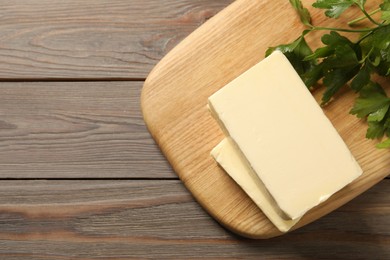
(284,136)
(234,164)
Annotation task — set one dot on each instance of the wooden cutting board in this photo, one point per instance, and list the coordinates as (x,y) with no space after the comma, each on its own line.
(174,101)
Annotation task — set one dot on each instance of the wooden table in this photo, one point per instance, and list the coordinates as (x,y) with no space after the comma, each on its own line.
(81,177)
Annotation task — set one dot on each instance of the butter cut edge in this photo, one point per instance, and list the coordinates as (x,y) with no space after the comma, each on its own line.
(226,155)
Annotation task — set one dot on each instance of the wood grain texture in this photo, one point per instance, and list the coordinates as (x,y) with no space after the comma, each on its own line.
(93,39)
(174,102)
(159,220)
(76,130)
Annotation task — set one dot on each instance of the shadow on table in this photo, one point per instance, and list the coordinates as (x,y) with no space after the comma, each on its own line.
(358,230)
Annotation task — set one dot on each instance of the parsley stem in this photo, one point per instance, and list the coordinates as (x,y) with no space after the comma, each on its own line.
(364,36)
(315,28)
(369,17)
(354,21)
(366,57)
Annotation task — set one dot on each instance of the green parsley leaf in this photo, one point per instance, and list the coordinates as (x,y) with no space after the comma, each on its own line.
(343,57)
(385,8)
(334,41)
(375,130)
(295,53)
(334,38)
(376,49)
(303,13)
(378,115)
(334,7)
(380,38)
(334,80)
(369,101)
(383,68)
(384,144)
(370,88)
(313,75)
(386,123)
(362,78)
(379,122)
(340,64)
(319,53)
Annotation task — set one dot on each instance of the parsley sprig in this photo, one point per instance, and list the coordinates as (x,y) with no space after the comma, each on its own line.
(341,62)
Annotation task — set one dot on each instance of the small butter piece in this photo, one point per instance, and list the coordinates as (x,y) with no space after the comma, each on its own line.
(284,136)
(231,161)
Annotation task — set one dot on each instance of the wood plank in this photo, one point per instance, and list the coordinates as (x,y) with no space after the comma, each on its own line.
(181,124)
(94,39)
(76,130)
(159,219)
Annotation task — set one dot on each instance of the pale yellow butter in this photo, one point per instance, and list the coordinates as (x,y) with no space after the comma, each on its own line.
(284,136)
(234,164)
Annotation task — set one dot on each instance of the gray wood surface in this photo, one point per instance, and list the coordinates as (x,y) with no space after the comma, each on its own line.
(104,39)
(159,219)
(76,130)
(80,176)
